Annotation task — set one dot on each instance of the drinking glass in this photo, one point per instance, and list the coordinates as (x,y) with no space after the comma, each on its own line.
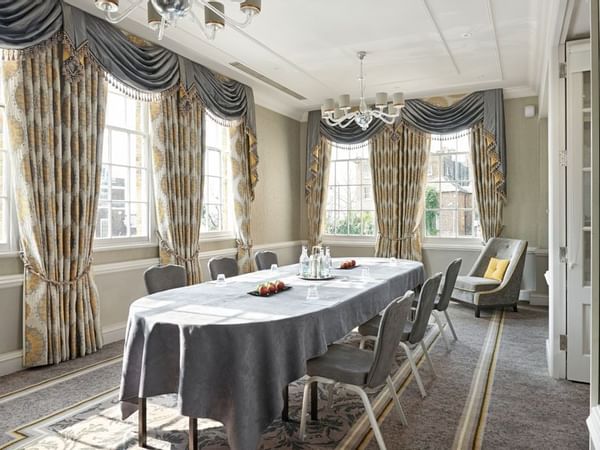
(274,268)
(313,293)
(364,273)
(221,279)
(393,261)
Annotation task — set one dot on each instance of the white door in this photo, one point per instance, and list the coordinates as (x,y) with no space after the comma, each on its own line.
(578,217)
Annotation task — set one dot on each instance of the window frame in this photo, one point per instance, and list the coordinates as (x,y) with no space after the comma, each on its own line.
(225,234)
(128,242)
(353,239)
(450,241)
(9,247)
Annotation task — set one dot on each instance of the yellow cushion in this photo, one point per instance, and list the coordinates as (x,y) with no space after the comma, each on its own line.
(496,269)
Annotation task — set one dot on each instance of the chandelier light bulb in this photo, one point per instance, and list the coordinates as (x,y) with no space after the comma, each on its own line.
(211,19)
(381,99)
(398,100)
(344,101)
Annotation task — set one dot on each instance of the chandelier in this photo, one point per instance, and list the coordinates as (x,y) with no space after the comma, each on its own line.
(342,114)
(163,14)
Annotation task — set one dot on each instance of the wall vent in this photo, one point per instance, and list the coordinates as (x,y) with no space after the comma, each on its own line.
(261,77)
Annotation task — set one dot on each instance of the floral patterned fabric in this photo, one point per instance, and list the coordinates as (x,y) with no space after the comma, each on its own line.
(488,182)
(55,110)
(244,161)
(177,158)
(399,165)
(316,190)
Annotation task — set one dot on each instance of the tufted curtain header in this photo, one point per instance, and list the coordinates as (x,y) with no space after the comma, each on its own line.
(138,68)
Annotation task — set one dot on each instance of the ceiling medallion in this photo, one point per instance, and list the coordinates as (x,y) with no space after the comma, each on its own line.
(340,114)
(163,14)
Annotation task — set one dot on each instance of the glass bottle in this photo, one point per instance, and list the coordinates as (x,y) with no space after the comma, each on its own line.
(304,262)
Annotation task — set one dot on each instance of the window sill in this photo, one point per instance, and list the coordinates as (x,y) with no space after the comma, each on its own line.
(115,246)
(465,244)
(217,236)
(349,241)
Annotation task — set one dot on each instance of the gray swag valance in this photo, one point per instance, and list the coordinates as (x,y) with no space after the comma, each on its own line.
(485,108)
(139,68)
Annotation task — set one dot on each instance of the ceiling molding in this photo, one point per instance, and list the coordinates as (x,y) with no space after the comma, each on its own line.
(439,32)
(490,11)
(519,92)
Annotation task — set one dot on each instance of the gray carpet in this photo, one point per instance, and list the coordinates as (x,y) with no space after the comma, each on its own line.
(64,406)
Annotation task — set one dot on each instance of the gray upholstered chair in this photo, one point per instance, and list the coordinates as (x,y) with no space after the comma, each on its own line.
(226,266)
(356,369)
(265,259)
(484,292)
(443,300)
(414,332)
(163,277)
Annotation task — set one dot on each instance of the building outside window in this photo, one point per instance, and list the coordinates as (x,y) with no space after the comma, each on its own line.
(450,206)
(217,208)
(5,213)
(350,205)
(124,206)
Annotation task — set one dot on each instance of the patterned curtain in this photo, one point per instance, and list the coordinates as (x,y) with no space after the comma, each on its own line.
(244,162)
(316,187)
(56,124)
(399,165)
(177,158)
(489,182)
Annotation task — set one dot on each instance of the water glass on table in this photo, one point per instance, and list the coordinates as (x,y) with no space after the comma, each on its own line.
(313,293)
(221,279)
(365,274)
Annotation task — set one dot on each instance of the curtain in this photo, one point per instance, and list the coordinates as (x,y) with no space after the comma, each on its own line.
(177,158)
(398,159)
(487,182)
(316,190)
(244,160)
(56,122)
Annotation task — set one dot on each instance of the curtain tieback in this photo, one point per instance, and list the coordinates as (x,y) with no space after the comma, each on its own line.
(246,246)
(167,248)
(402,238)
(59,284)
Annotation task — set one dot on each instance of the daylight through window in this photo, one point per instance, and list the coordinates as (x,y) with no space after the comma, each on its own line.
(4,174)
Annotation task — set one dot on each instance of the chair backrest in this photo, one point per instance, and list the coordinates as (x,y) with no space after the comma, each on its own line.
(503,248)
(226,266)
(392,324)
(163,277)
(449,282)
(424,307)
(265,259)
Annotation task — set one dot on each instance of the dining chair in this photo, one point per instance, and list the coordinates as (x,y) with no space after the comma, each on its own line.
(265,259)
(356,369)
(226,266)
(163,277)
(414,331)
(443,299)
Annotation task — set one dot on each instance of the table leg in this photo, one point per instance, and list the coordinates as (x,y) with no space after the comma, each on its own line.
(286,403)
(193,434)
(314,401)
(142,435)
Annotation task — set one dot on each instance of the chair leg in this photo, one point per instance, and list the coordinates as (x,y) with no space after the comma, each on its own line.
(477,312)
(193,434)
(371,415)
(362,343)
(438,321)
(304,412)
(428,358)
(330,394)
(515,308)
(414,368)
(142,428)
(392,389)
(450,325)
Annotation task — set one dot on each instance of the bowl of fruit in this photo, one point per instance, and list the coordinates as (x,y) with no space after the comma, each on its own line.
(348,264)
(269,288)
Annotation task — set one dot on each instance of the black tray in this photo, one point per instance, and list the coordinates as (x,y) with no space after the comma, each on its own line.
(256,294)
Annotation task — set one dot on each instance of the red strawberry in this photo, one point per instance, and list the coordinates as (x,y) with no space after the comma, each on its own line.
(263,291)
(280,285)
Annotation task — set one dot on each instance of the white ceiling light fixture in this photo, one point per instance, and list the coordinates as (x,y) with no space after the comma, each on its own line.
(165,13)
(341,114)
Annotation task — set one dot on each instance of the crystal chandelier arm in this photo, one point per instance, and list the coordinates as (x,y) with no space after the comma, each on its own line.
(228,20)
(119,16)
(387,118)
(210,35)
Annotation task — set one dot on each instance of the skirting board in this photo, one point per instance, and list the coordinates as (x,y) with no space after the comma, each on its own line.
(12,361)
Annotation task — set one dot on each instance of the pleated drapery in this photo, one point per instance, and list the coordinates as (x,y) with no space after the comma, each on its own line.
(177,162)
(55,110)
(316,190)
(398,157)
(490,201)
(244,160)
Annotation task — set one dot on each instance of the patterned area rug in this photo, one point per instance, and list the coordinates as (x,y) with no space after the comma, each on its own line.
(74,406)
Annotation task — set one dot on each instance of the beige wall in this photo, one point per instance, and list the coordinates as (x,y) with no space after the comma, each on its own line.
(275,219)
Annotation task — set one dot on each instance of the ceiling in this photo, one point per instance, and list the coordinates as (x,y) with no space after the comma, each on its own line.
(420,47)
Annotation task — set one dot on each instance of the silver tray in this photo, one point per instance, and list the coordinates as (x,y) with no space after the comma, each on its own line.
(330,277)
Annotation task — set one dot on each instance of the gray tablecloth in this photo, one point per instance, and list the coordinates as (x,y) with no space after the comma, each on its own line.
(228,355)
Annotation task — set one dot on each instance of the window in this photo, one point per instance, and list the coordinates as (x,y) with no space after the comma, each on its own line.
(350,206)
(217,209)
(450,209)
(5,213)
(123,209)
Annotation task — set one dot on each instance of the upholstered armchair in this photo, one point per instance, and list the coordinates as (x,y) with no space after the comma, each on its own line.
(488,293)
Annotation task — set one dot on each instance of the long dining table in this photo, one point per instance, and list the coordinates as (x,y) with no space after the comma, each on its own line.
(229,355)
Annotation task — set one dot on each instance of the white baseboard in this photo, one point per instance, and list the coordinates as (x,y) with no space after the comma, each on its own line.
(13,361)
